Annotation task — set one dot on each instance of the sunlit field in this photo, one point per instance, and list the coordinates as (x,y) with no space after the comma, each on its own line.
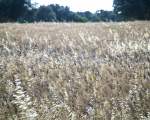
(74,71)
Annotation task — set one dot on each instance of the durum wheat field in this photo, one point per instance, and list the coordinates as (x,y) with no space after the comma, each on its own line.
(75,71)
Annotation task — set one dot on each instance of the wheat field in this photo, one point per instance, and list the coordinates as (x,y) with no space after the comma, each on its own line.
(75,71)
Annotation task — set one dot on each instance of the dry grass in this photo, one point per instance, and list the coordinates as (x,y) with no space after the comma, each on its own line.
(91,71)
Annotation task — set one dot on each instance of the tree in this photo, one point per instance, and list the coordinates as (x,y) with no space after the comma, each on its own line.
(28,16)
(147,9)
(62,13)
(45,13)
(132,9)
(11,10)
(79,18)
(23,11)
(87,15)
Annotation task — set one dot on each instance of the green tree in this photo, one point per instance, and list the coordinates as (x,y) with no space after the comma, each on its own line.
(45,13)
(87,15)
(11,10)
(132,9)
(28,16)
(62,13)
(106,16)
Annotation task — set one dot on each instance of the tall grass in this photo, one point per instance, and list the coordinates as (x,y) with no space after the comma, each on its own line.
(91,71)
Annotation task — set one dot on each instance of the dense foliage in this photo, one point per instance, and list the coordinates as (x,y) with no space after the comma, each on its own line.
(132,9)
(25,11)
(11,10)
(57,13)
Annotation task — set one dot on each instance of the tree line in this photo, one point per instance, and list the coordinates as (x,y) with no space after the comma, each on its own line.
(25,11)
(132,9)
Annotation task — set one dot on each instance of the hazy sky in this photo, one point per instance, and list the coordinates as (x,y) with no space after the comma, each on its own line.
(81,5)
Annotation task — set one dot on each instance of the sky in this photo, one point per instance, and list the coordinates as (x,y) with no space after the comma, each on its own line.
(80,5)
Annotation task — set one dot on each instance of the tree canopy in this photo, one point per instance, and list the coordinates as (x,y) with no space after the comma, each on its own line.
(24,11)
(11,10)
(132,9)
